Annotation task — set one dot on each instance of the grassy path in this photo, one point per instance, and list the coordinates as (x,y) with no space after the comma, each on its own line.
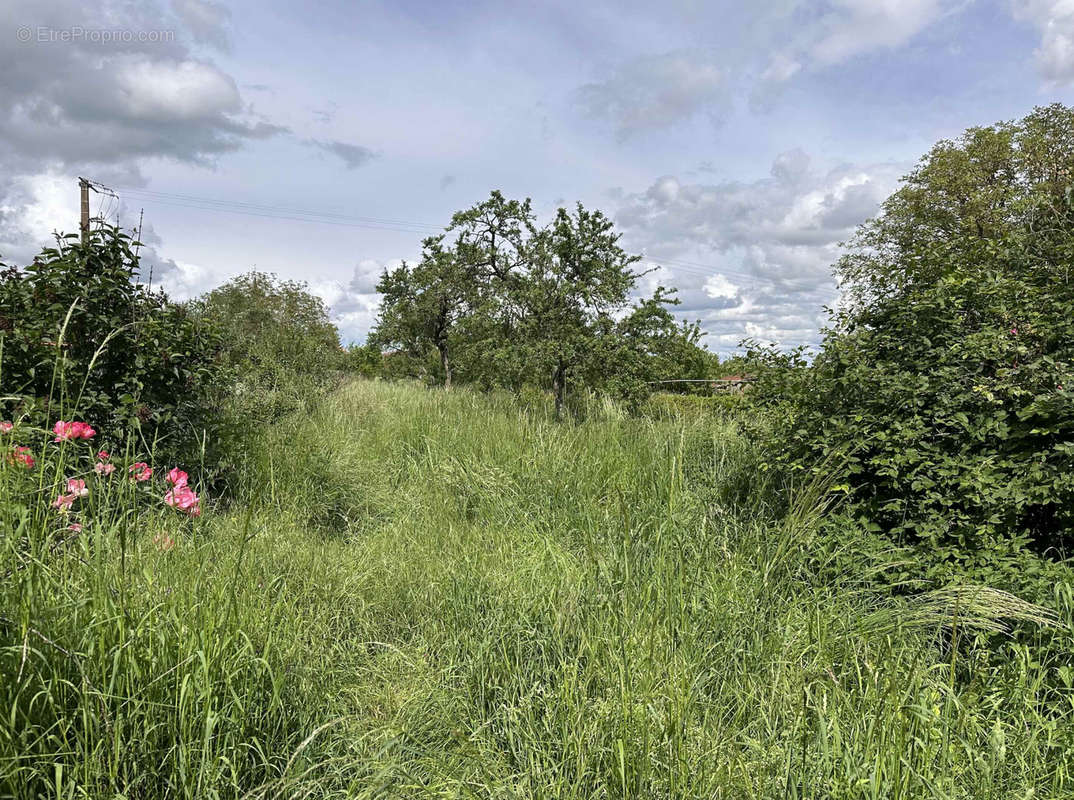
(443,595)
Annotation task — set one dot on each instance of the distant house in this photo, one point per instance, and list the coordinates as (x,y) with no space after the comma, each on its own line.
(733,384)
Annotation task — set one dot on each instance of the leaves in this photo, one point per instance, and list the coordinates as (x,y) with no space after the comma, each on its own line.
(944,370)
(83,336)
(498,301)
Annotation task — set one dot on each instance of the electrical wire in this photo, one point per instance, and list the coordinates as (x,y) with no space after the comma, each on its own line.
(290,213)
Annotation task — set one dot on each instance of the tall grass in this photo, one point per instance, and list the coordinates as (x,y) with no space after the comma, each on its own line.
(428,594)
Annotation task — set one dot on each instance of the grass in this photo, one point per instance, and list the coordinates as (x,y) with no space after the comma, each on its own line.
(431,594)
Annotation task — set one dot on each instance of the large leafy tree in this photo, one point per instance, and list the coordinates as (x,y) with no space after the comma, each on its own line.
(81,338)
(947,374)
(649,347)
(509,303)
(577,280)
(493,245)
(279,340)
(422,305)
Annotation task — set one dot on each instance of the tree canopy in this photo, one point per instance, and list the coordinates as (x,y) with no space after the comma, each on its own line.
(278,340)
(946,375)
(499,300)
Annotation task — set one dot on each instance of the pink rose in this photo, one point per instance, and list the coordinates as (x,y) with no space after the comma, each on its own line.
(21,455)
(177,478)
(7,427)
(184,499)
(140,471)
(77,487)
(72,430)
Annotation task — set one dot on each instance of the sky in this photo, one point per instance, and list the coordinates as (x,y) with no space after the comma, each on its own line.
(735,145)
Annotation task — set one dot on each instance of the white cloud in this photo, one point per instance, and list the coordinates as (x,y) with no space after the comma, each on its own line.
(85,107)
(719,286)
(206,20)
(170,91)
(780,68)
(852,27)
(185,281)
(353,305)
(755,257)
(33,207)
(771,44)
(1055,20)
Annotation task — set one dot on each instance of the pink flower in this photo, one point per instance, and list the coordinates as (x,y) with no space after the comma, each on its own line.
(103,455)
(164,542)
(77,487)
(21,455)
(72,430)
(1014,331)
(184,499)
(104,469)
(7,427)
(64,502)
(177,478)
(140,471)
(75,526)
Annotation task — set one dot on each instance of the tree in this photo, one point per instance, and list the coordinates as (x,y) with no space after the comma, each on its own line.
(578,278)
(493,243)
(946,376)
(278,339)
(648,348)
(80,336)
(509,303)
(422,305)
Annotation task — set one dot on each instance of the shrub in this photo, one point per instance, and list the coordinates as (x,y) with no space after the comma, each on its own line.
(80,336)
(279,341)
(946,378)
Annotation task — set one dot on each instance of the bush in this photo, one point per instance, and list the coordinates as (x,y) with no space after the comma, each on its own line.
(81,337)
(278,340)
(946,379)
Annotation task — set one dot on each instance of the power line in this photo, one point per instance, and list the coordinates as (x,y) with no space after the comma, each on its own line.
(797,284)
(293,214)
(280,212)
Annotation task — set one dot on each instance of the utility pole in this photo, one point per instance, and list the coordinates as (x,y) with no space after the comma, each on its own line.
(83,190)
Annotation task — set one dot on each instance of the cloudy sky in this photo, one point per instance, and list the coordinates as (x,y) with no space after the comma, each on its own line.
(735,144)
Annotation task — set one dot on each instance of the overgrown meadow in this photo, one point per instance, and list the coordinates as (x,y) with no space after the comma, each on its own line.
(240,561)
(401,606)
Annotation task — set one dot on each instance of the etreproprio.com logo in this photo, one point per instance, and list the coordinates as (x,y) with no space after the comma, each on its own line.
(78,33)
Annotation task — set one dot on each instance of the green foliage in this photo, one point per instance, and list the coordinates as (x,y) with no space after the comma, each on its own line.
(421,305)
(498,301)
(691,405)
(278,340)
(946,380)
(365,360)
(650,349)
(80,337)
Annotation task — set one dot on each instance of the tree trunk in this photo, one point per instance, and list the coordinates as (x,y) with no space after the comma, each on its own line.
(445,362)
(559,385)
